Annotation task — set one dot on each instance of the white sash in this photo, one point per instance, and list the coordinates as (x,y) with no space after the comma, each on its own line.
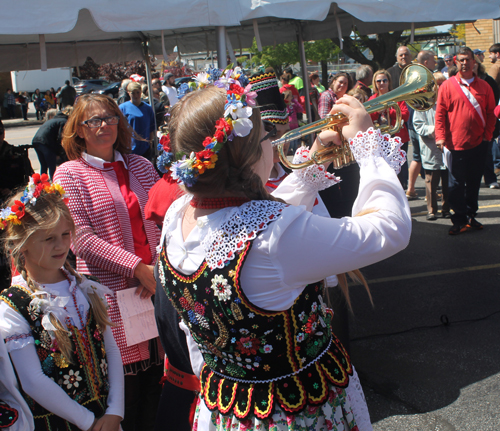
(470,96)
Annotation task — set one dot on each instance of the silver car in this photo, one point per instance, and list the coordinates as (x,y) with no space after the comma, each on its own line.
(90,86)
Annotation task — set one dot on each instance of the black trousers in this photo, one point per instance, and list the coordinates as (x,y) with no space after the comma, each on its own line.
(142,395)
(464,181)
(403,174)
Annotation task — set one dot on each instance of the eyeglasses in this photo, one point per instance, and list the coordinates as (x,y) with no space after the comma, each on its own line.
(379,81)
(94,123)
(271,130)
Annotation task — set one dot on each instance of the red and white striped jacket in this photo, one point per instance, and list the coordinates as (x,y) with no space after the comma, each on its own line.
(104,233)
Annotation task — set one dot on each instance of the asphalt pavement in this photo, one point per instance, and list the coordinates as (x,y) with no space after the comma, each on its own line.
(428,352)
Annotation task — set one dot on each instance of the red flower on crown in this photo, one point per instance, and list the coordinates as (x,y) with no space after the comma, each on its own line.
(41,179)
(236,89)
(18,208)
(41,182)
(205,154)
(207,141)
(223,125)
(219,135)
(165,142)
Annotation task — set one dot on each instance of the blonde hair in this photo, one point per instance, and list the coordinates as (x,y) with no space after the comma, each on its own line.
(374,80)
(192,119)
(133,86)
(49,210)
(51,113)
(358,94)
(438,76)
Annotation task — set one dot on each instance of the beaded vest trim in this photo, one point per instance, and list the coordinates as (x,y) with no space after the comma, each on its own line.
(8,415)
(85,380)
(255,358)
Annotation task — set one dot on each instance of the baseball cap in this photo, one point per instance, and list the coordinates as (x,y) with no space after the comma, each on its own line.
(168,75)
(478,51)
(448,57)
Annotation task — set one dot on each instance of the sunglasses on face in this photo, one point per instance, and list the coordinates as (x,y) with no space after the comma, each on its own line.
(271,130)
(379,81)
(94,123)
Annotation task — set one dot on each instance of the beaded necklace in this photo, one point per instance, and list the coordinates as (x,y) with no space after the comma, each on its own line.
(83,330)
(213,203)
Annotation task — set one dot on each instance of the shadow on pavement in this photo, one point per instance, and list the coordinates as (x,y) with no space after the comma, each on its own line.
(408,360)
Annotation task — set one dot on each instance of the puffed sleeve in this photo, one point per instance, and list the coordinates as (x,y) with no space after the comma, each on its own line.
(301,248)
(14,328)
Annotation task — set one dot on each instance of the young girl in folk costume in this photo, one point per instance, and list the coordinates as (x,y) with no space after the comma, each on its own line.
(242,267)
(54,320)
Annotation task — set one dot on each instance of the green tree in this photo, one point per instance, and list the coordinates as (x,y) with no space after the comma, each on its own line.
(383,48)
(285,54)
(278,57)
(322,51)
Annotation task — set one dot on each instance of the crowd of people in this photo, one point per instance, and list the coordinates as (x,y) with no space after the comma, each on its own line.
(246,334)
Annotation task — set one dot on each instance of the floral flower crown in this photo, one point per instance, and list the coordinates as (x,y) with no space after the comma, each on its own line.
(39,185)
(235,122)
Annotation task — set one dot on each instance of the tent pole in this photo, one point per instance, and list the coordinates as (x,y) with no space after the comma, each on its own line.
(305,76)
(145,47)
(221,47)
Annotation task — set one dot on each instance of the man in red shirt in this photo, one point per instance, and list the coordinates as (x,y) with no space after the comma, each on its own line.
(464,125)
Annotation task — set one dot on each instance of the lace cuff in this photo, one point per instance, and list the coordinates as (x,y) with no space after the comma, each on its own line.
(315,174)
(18,341)
(370,144)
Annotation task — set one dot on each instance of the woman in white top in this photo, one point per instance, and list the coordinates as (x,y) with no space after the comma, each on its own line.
(241,267)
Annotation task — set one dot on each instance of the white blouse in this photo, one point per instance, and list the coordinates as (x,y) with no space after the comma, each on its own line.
(21,347)
(300,248)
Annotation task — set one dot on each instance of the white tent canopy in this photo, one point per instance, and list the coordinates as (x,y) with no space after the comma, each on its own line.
(114,31)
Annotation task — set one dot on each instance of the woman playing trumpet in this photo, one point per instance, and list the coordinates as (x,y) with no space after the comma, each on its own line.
(241,267)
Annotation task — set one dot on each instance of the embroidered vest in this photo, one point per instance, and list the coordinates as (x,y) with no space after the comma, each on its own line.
(8,415)
(85,381)
(255,358)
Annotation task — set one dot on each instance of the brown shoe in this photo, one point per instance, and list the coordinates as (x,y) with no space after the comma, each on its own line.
(412,196)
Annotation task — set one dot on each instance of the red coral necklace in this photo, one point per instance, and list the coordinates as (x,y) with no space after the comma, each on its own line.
(213,203)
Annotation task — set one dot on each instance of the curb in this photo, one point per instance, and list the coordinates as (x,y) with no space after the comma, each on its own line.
(11,124)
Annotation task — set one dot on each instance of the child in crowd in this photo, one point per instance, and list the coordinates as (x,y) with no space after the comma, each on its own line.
(54,320)
(293,107)
(358,94)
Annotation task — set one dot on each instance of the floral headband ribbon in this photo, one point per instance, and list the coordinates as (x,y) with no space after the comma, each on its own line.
(235,122)
(39,185)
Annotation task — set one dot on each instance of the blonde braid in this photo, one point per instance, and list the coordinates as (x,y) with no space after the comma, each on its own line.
(97,305)
(61,335)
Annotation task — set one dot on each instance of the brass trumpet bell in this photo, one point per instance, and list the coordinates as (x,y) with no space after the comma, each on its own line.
(417,88)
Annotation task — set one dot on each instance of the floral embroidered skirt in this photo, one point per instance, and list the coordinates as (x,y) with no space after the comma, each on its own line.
(345,410)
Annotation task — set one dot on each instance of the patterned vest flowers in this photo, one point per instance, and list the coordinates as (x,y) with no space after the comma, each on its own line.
(85,380)
(255,358)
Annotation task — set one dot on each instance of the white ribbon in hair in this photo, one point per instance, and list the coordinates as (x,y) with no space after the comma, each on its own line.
(48,306)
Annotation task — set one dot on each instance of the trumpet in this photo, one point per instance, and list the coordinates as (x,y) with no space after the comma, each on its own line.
(417,88)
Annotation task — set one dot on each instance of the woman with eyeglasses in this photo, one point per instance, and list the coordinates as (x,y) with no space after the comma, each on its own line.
(382,85)
(108,189)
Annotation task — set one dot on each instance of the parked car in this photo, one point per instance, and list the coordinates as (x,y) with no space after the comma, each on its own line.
(111,90)
(182,80)
(90,85)
(76,80)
